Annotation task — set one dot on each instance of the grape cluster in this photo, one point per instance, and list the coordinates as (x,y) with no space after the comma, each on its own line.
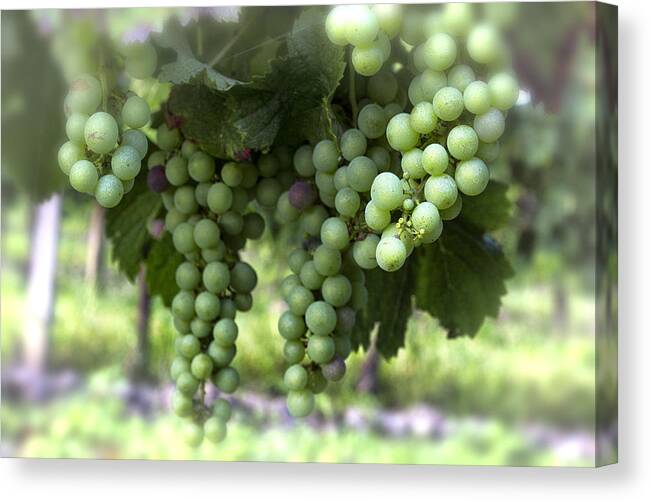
(103,154)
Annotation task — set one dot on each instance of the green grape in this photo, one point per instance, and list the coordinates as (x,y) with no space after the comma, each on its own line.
(336,290)
(201,366)
(504,91)
(353,144)
(125,163)
(412,164)
(85,94)
(477,97)
(188,148)
(137,139)
(335,25)
(422,118)
(418,58)
(364,252)
(441,191)
(183,238)
(386,192)
(300,403)
(328,199)
(448,104)
(201,167)
(268,191)
(327,261)
(390,254)
(325,183)
(392,231)
(254,226)
(231,174)
(142,64)
(472,176)
(291,326)
(303,161)
(207,234)
(382,89)
(390,111)
(453,211)
(222,409)
(268,165)
(206,306)
(220,198)
(128,185)
(101,132)
(181,405)
(179,366)
(167,139)
(310,277)
(376,219)
(435,159)
(83,176)
(360,174)
(225,332)
(287,285)
(75,127)
(200,328)
(343,346)
(340,179)
(294,351)
(215,429)
(334,233)
(400,135)
(412,27)
(460,76)
(109,191)
(321,347)
(243,277)
(361,26)
(69,154)
(216,277)
(425,217)
(296,259)
(415,92)
(457,18)
(299,299)
(232,223)
(295,377)
(380,156)
(285,211)
(184,200)
(189,345)
(367,61)
(489,126)
(201,194)
(372,121)
(389,18)
(176,171)
(488,152)
(222,356)
(320,318)
(440,52)
(347,202)
(227,379)
(484,45)
(216,254)
(462,142)
(135,112)
(187,276)
(431,82)
(241,200)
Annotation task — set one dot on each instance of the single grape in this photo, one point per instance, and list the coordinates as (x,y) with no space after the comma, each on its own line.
(135,112)
(85,94)
(312,219)
(367,61)
(422,118)
(390,254)
(167,139)
(389,17)
(440,52)
(386,191)
(346,317)
(300,403)
(457,18)
(156,159)
(83,176)
(400,135)
(412,163)
(391,110)
(334,370)
(225,332)
(460,76)
(220,198)
(353,144)
(336,290)
(334,233)
(295,377)
(472,176)
(376,218)
(393,231)
(462,142)
(477,97)
(201,193)
(188,148)
(288,284)
(101,132)
(415,92)
(137,139)
(250,175)
(215,429)
(254,226)
(504,91)
(372,121)
(201,167)
(201,366)
(222,409)
(184,200)
(216,254)
(299,299)
(216,277)
(335,25)
(425,217)
(488,152)
(221,356)
(340,179)
(441,191)
(303,161)
(141,64)
(361,26)
(69,154)
(189,346)
(325,183)
(320,318)
(412,27)
(232,224)
(382,89)
(435,159)
(187,276)
(243,302)
(206,234)
(227,379)
(200,328)
(431,82)
(296,259)
(243,277)
(109,191)
(347,202)
(231,174)
(360,174)
(484,45)
(448,104)
(156,179)
(125,162)
(268,191)
(178,367)
(75,127)
(327,261)
(381,158)
(489,126)
(453,211)
(183,238)
(364,252)
(291,326)
(181,405)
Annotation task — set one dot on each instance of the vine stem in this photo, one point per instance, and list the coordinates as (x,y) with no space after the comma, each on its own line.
(352,94)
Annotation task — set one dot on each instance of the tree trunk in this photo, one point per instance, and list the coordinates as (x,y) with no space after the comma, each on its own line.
(39,307)
(141,364)
(94,246)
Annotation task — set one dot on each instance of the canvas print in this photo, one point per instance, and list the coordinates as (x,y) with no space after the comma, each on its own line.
(375,233)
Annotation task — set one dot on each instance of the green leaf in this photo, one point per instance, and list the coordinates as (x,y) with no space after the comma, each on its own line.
(162,261)
(490,210)
(460,279)
(187,68)
(127,227)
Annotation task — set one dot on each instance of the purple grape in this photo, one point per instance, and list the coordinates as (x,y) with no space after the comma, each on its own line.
(156,179)
(334,370)
(302,195)
(156,228)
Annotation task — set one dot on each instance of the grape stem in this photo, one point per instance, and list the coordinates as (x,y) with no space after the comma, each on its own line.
(352,95)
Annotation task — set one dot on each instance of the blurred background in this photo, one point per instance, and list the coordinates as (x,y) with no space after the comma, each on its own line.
(85,353)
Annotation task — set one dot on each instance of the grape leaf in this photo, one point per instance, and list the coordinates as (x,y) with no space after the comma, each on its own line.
(162,261)
(126,227)
(460,279)
(490,210)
